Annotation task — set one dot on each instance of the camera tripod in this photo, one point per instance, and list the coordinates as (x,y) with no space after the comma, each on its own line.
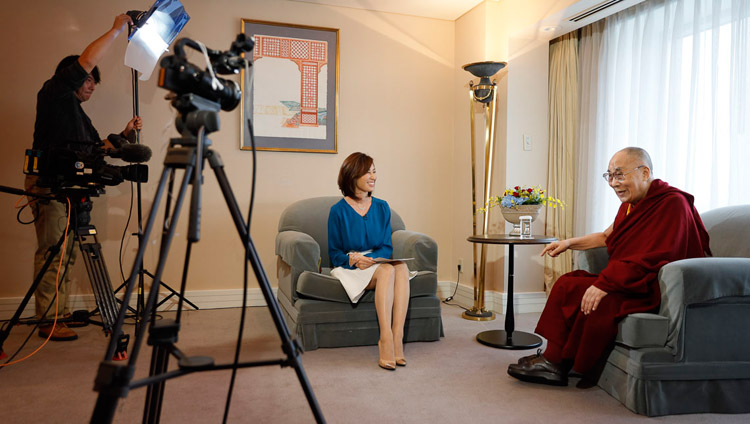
(197,118)
(91,250)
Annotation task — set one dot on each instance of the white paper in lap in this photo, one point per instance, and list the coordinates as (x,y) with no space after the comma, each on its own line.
(354,281)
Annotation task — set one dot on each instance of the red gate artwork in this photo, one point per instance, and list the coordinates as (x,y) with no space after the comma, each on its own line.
(310,56)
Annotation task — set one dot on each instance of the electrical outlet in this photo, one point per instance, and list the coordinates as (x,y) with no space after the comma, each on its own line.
(460,264)
(527,143)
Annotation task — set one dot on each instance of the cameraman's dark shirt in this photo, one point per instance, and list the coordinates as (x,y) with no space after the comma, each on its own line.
(61,123)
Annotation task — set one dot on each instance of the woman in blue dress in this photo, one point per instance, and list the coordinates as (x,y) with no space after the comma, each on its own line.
(359,232)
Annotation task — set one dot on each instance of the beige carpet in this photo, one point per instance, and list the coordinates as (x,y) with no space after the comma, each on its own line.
(454,380)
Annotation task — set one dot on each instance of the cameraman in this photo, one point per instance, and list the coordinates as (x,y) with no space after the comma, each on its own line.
(61,124)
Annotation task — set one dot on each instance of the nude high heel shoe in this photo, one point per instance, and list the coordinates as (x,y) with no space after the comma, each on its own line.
(383,363)
(400,360)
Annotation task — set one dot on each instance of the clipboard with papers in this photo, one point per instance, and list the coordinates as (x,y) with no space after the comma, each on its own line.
(386,260)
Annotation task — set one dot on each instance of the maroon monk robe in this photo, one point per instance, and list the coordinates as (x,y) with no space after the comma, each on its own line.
(663,227)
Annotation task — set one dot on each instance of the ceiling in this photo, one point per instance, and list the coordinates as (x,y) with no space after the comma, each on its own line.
(438,9)
(551,26)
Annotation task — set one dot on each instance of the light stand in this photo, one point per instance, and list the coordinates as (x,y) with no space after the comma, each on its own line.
(482,94)
(139,19)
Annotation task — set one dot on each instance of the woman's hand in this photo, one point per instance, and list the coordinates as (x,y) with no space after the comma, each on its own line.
(360,261)
(556,247)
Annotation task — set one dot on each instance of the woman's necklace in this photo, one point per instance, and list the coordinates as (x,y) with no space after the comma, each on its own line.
(360,207)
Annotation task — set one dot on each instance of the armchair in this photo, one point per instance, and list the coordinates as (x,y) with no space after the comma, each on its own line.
(694,355)
(315,304)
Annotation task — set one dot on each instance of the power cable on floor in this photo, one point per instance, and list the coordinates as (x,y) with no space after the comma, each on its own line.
(449,298)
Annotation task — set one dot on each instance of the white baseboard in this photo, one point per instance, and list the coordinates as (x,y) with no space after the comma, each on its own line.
(232,298)
(497,302)
(204,299)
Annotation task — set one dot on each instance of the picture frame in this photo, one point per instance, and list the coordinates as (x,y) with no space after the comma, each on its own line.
(294,102)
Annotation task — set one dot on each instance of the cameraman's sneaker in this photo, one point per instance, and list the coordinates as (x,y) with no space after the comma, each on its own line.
(60,332)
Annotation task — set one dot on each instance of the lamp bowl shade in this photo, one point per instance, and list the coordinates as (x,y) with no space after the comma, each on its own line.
(484,69)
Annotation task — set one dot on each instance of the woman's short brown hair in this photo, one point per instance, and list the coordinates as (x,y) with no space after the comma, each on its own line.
(354,166)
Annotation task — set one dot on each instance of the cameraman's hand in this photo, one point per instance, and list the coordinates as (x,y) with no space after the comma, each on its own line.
(121,23)
(134,124)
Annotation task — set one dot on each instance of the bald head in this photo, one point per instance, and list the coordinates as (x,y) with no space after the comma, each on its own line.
(639,155)
(630,174)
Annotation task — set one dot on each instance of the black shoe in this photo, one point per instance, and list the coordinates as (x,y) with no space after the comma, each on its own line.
(77,319)
(539,370)
(529,358)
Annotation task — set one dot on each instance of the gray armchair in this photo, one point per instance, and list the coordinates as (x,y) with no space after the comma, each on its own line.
(315,304)
(694,355)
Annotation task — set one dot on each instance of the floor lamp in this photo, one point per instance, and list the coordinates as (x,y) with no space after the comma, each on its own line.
(483,95)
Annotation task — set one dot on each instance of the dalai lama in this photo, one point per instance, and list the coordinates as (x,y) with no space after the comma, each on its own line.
(656,224)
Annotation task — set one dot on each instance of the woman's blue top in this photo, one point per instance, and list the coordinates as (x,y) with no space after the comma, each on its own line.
(348,231)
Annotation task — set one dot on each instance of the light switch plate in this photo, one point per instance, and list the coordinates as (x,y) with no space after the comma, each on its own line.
(527,143)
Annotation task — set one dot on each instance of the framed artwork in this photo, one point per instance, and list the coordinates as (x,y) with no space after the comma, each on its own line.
(294,102)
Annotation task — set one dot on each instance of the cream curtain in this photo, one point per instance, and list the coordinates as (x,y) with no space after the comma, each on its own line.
(672,77)
(563,134)
(590,166)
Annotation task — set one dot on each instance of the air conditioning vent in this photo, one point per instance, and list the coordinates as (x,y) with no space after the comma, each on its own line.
(593,10)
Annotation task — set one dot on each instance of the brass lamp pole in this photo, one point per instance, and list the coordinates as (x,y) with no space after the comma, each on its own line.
(482,94)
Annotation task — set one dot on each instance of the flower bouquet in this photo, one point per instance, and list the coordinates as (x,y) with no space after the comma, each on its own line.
(521,201)
(521,195)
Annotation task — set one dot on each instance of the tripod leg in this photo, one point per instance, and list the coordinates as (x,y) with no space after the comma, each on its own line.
(155,392)
(101,284)
(172,293)
(166,242)
(52,253)
(291,349)
(112,379)
(160,354)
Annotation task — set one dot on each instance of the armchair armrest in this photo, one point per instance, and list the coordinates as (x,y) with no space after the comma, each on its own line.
(300,252)
(410,244)
(593,260)
(699,281)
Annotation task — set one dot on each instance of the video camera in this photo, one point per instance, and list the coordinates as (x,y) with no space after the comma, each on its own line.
(182,77)
(62,167)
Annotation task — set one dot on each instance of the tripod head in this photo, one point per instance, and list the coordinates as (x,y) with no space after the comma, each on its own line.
(195,112)
(80,202)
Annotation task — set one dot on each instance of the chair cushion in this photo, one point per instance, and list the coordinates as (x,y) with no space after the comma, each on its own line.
(729,231)
(322,286)
(643,330)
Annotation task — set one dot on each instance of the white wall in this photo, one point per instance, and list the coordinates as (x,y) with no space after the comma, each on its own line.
(396,103)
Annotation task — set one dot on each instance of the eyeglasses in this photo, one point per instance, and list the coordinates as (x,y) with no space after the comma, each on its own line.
(618,176)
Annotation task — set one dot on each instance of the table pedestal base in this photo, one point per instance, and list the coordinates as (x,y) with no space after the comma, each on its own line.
(499,338)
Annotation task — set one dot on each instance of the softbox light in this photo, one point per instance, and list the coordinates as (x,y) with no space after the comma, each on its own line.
(154,31)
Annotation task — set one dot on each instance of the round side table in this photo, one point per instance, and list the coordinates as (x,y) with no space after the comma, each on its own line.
(509,338)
